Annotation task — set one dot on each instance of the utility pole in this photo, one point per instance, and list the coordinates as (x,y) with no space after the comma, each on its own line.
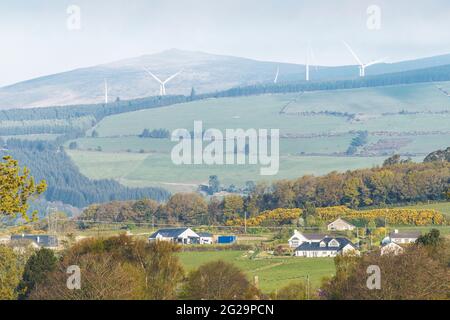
(307,287)
(245,222)
(357,236)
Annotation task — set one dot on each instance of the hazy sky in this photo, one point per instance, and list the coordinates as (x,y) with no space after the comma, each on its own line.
(35,40)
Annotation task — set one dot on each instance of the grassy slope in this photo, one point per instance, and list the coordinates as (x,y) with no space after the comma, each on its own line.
(136,169)
(116,133)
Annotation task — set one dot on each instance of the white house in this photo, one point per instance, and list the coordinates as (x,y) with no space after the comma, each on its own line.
(178,235)
(205,238)
(298,238)
(403,237)
(327,247)
(391,248)
(340,225)
(5,239)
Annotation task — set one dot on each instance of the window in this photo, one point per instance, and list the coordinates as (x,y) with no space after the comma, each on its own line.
(333,243)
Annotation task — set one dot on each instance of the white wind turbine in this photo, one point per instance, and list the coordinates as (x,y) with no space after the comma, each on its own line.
(362,66)
(276,76)
(162,87)
(106,91)
(309,53)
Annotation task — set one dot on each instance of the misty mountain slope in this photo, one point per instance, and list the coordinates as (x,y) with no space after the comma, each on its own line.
(128,80)
(202,71)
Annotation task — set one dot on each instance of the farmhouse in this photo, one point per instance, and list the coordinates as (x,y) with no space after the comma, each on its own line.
(340,225)
(37,241)
(391,248)
(403,237)
(298,238)
(327,247)
(178,235)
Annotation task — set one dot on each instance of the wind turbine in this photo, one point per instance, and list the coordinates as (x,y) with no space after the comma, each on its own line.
(362,66)
(276,76)
(309,54)
(106,91)
(162,87)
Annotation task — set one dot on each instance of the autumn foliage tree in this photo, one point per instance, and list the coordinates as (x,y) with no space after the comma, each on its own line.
(116,268)
(413,275)
(219,280)
(17,187)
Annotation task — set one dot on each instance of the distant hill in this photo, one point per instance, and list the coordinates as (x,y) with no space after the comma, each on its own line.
(205,72)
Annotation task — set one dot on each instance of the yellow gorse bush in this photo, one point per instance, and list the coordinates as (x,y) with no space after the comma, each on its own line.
(401,216)
(278,215)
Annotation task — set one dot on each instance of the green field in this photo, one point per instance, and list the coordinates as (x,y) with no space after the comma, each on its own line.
(138,170)
(264,112)
(273,273)
(310,143)
(420,97)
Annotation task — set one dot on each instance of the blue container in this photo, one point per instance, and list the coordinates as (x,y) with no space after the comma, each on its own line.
(226,239)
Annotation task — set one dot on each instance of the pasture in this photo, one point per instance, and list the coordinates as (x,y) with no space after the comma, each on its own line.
(316,129)
(138,170)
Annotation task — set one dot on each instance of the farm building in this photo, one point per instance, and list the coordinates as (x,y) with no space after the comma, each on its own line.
(226,239)
(298,238)
(205,238)
(327,247)
(402,237)
(37,241)
(340,225)
(177,235)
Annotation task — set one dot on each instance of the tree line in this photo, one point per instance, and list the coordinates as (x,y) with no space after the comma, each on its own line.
(380,186)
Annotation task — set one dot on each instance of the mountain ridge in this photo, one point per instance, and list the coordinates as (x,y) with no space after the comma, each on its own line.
(205,72)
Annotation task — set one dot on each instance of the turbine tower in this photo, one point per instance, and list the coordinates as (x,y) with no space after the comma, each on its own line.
(362,66)
(162,84)
(309,54)
(106,91)
(276,76)
(307,63)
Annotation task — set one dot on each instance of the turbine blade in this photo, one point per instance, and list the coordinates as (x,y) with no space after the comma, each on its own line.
(353,54)
(173,76)
(375,62)
(153,76)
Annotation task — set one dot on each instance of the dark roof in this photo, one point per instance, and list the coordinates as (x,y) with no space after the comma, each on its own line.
(205,234)
(169,233)
(314,236)
(41,240)
(315,246)
(410,234)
